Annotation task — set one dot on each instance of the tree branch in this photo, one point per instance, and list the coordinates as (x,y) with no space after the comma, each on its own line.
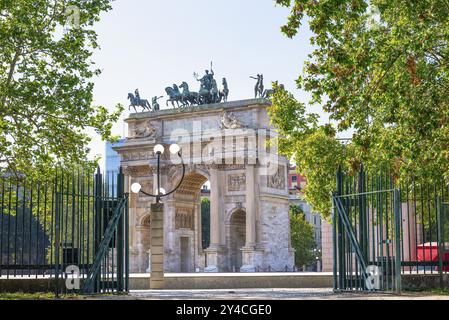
(12,68)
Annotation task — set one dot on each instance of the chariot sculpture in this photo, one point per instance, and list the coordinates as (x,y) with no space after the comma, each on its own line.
(208,92)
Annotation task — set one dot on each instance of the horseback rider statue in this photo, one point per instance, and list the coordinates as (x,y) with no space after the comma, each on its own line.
(136,101)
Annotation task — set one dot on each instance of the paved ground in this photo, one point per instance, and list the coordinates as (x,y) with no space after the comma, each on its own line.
(271,294)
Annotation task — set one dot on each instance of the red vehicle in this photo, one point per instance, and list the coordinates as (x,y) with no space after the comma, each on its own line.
(428,252)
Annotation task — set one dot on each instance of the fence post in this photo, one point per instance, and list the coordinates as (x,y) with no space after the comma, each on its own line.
(127,245)
(440,240)
(57,241)
(397,218)
(120,236)
(98,179)
(334,243)
(339,234)
(363,229)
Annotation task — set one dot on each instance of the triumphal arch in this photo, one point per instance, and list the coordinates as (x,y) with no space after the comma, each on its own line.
(225,144)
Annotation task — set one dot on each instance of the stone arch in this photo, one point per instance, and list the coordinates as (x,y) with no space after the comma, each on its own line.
(190,186)
(237,238)
(174,175)
(145,220)
(229,214)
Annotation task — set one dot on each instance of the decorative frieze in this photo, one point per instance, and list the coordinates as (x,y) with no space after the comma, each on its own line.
(137,155)
(236,182)
(138,171)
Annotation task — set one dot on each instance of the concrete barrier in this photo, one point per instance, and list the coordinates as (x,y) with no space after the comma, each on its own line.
(223,281)
(236,281)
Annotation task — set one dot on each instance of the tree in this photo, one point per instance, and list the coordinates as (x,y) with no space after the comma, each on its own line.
(205,222)
(45,83)
(302,237)
(379,68)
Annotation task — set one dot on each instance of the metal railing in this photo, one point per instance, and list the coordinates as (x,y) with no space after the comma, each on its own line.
(53,229)
(383,229)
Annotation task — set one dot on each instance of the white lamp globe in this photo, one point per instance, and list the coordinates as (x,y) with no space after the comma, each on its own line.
(135,187)
(159,149)
(162,191)
(174,148)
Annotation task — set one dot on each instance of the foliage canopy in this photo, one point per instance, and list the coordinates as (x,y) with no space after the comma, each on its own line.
(46,88)
(380,69)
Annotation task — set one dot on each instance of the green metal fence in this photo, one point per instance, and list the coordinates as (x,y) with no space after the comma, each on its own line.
(383,230)
(70,230)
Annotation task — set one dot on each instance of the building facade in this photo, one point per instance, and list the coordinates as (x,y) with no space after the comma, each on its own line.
(296,184)
(112,166)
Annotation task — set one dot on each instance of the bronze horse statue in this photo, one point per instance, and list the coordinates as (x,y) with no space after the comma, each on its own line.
(174,95)
(135,102)
(188,97)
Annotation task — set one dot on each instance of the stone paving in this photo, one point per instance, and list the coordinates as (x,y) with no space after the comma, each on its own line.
(272,294)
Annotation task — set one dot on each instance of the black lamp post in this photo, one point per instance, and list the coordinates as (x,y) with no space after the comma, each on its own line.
(159,150)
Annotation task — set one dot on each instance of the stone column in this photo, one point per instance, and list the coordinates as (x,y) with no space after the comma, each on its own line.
(326,247)
(155,183)
(139,248)
(198,248)
(248,250)
(157,246)
(214,209)
(149,261)
(213,253)
(250,206)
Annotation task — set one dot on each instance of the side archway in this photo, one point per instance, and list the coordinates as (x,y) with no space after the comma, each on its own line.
(237,238)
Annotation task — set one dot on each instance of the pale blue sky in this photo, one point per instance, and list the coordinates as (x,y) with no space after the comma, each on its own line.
(151,44)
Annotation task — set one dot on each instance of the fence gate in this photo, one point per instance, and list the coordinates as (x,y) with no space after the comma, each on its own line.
(71,231)
(382,231)
(366,235)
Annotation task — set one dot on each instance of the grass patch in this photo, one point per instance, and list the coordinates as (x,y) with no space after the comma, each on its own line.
(36,296)
(438,292)
(51,296)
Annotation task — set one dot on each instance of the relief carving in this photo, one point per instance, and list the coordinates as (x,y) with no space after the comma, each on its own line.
(229,121)
(277,180)
(147,186)
(184,218)
(236,182)
(144,130)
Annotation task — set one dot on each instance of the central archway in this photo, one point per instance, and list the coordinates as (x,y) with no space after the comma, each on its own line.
(188,230)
